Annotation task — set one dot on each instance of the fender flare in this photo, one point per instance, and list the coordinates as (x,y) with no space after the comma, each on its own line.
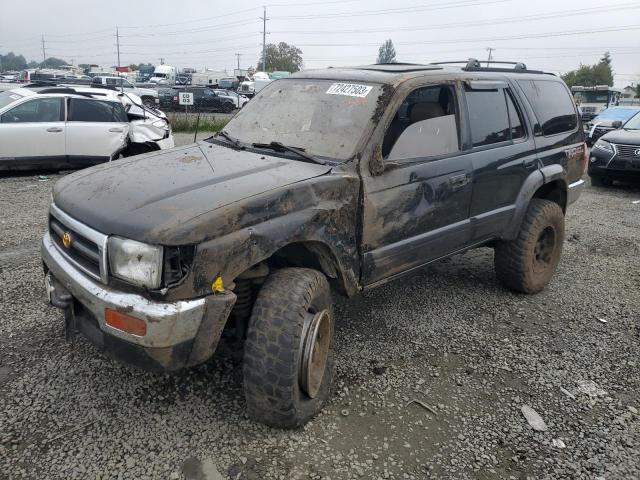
(532,184)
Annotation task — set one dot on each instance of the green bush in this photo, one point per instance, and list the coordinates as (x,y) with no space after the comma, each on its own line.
(187,123)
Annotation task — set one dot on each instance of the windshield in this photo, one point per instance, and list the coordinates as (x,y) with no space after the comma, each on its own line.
(226,82)
(592,97)
(323,117)
(633,123)
(7,98)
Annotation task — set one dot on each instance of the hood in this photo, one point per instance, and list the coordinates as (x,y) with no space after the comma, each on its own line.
(626,137)
(137,198)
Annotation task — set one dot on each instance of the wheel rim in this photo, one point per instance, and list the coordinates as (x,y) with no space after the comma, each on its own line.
(315,351)
(544,249)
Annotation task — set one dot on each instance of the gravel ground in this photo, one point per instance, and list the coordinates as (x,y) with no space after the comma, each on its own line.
(449,337)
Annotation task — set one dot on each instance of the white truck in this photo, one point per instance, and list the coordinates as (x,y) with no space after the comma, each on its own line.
(592,101)
(208,78)
(149,96)
(163,75)
(249,88)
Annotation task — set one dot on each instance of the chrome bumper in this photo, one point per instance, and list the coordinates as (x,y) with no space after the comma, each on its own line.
(168,324)
(574,190)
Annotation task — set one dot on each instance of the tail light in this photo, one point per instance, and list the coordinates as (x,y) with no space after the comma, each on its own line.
(585,156)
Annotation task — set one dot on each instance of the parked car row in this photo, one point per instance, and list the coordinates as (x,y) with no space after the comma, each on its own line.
(69,126)
(205,99)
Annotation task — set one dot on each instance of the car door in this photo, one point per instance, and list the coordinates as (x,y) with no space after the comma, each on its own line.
(503,154)
(97,130)
(417,209)
(32,133)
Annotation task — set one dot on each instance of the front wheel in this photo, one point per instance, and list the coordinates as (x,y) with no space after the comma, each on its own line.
(288,354)
(527,263)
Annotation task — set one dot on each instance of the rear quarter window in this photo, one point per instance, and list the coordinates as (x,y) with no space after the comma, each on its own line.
(85,110)
(552,104)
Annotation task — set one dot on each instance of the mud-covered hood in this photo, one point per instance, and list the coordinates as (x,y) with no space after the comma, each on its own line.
(138,197)
(626,137)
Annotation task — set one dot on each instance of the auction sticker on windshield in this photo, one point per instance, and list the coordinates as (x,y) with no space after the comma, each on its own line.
(349,89)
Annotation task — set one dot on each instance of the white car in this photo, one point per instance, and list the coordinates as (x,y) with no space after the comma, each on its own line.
(71,127)
(238,100)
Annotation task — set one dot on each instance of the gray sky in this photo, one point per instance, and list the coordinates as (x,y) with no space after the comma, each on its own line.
(196,33)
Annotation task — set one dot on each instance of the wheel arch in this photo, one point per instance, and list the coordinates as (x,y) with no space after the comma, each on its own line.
(548,183)
(312,254)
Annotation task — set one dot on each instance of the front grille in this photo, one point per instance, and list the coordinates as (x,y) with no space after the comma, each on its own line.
(87,248)
(628,152)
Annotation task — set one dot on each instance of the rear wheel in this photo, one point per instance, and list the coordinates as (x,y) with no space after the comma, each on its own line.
(227,107)
(527,263)
(288,355)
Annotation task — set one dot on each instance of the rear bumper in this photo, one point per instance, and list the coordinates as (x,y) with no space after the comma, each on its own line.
(179,334)
(574,190)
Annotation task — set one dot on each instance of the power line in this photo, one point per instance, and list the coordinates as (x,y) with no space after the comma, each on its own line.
(475,23)
(472,40)
(392,11)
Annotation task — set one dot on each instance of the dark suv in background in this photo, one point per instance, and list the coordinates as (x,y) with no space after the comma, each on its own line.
(363,175)
(205,99)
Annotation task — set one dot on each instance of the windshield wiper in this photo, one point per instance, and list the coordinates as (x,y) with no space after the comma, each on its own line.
(234,141)
(280,147)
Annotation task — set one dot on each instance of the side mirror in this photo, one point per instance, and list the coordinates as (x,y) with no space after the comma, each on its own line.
(617,124)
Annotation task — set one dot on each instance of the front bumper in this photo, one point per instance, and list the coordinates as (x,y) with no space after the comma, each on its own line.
(574,190)
(166,143)
(179,334)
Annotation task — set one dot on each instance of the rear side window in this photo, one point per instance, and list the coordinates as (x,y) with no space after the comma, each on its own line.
(85,110)
(515,119)
(488,116)
(40,110)
(552,105)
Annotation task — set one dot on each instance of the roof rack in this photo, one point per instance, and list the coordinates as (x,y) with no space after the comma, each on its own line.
(473,65)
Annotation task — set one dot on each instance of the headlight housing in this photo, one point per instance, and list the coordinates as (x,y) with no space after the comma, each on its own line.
(161,124)
(604,146)
(135,262)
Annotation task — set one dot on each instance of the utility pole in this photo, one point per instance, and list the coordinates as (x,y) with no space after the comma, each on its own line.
(118,44)
(238,55)
(161,61)
(490,49)
(264,39)
(44,54)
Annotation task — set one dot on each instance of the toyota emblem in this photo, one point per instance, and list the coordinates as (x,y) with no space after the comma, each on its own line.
(636,152)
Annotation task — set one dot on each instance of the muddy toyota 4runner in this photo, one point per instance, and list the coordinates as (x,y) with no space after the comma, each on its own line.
(329,182)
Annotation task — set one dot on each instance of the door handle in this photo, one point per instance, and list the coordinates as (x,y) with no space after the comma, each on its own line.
(54,129)
(116,130)
(459,181)
(530,163)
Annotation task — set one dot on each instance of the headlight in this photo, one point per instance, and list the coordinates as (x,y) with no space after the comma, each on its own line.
(135,262)
(161,124)
(605,146)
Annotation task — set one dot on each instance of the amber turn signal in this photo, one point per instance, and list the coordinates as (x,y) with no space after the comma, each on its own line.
(124,322)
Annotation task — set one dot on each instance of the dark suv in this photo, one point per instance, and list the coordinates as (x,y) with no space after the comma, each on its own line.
(204,100)
(329,182)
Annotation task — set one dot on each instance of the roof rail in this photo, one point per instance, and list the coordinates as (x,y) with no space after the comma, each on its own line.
(472,65)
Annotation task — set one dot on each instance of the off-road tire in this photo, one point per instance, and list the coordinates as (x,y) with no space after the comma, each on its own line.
(600,181)
(515,261)
(273,346)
